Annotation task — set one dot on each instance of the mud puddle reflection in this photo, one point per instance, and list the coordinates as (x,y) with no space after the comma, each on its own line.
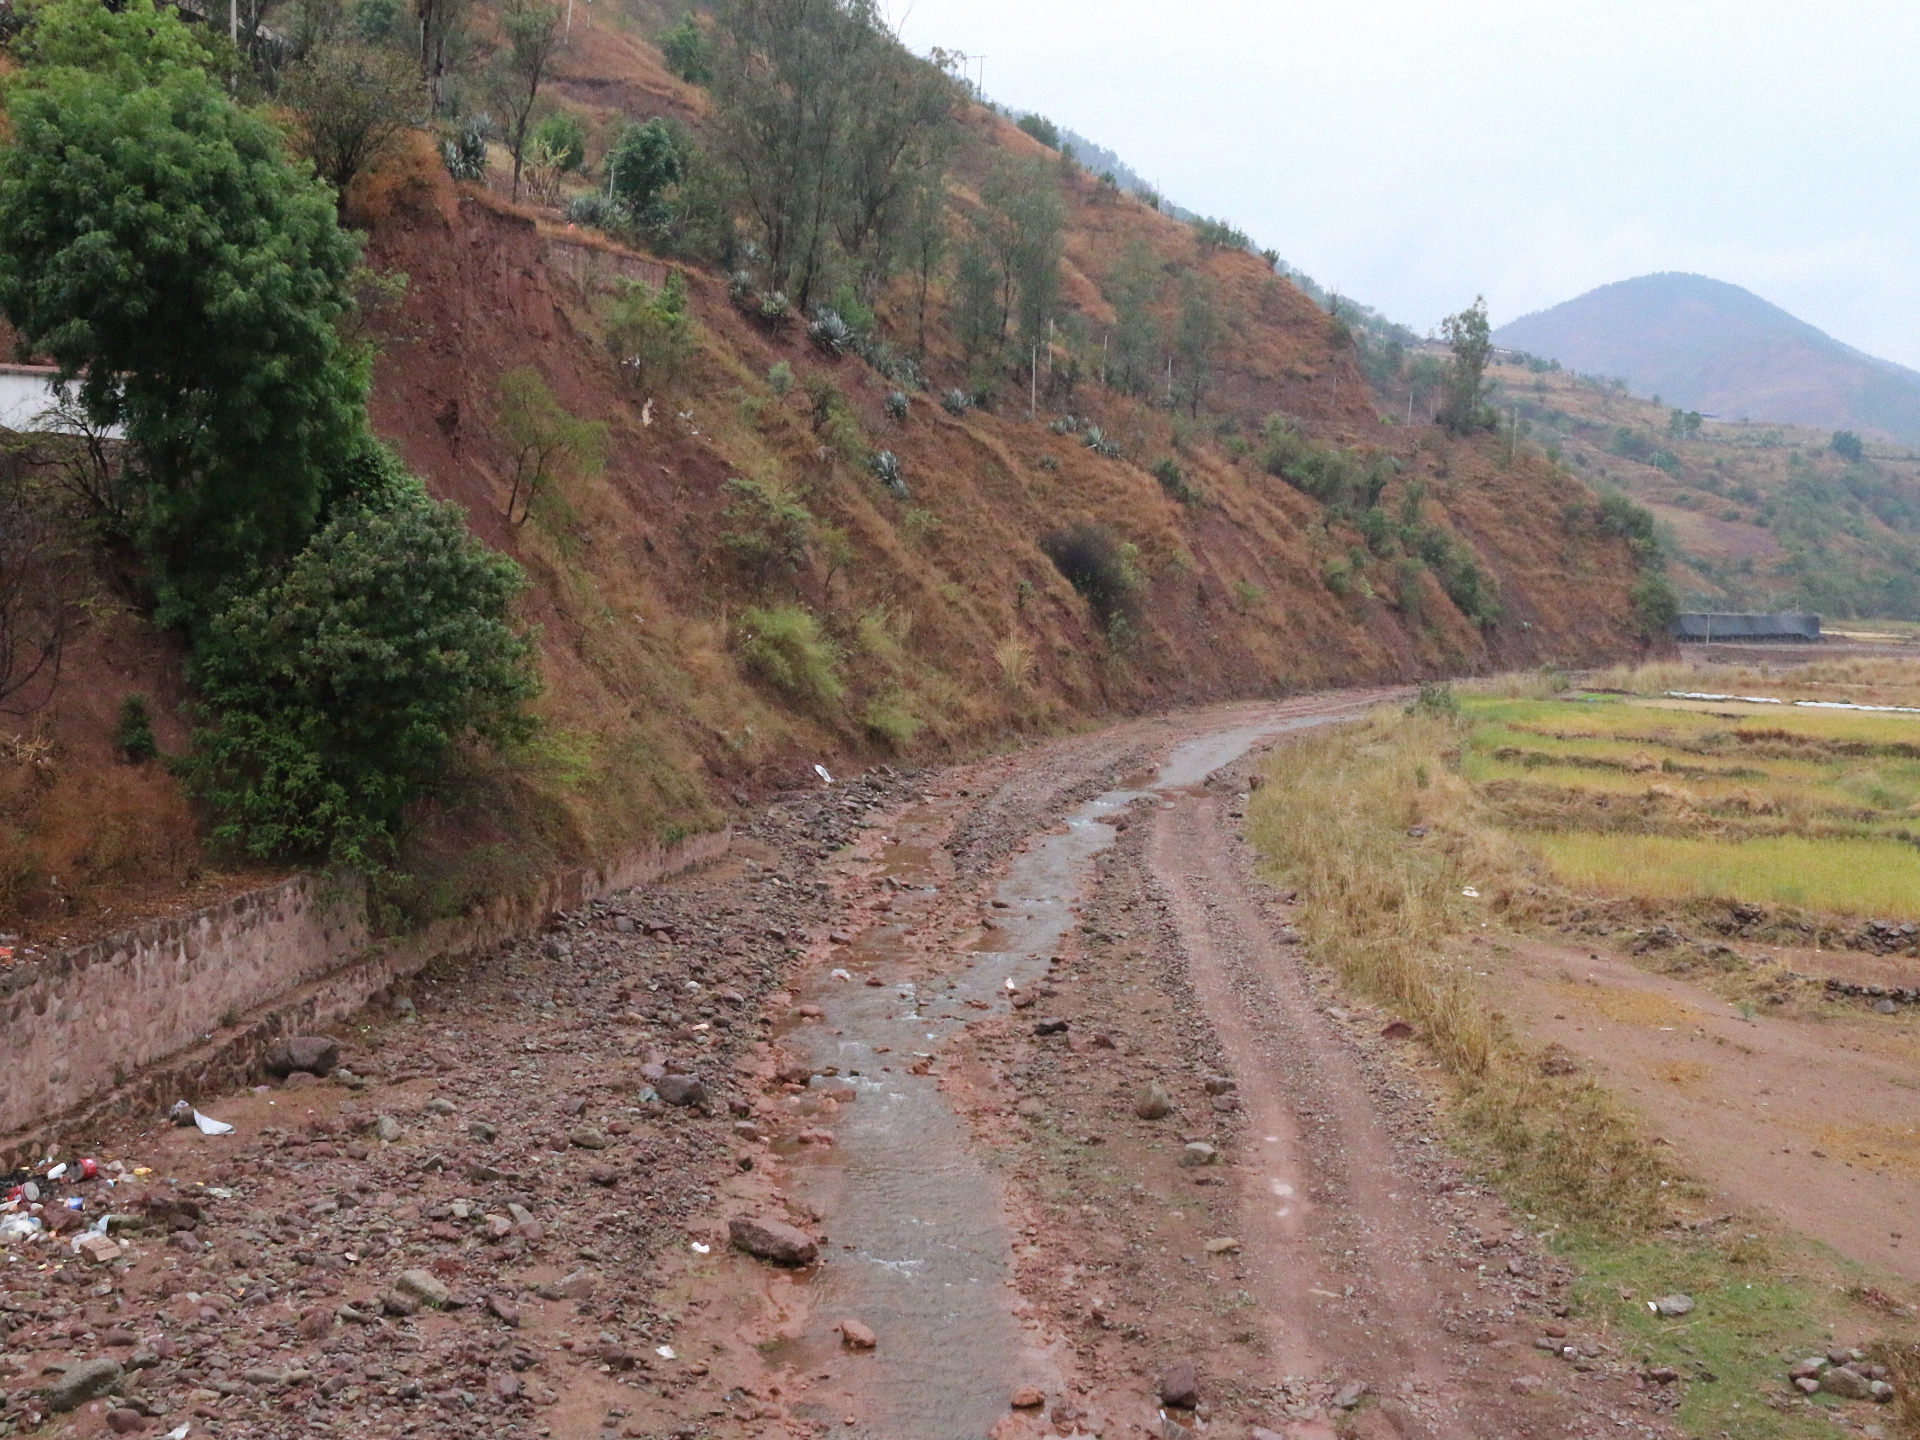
(920,1249)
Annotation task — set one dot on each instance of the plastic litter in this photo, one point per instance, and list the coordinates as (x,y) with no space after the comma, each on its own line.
(821,771)
(665,1352)
(210,1126)
(180,1431)
(700,1249)
(841,975)
(18,1227)
(57,1171)
(1470,892)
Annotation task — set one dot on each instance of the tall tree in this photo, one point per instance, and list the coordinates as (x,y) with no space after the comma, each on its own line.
(531,31)
(1196,339)
(162,250)
(1464,409)
(1022,228)
(353,101)
(822,118)
(977,315)
(1133,289)
(926,240)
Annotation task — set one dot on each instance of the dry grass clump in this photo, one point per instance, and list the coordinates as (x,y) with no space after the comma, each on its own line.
(1382,906)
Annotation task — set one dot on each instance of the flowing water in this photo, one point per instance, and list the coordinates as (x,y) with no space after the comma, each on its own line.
(930,1266)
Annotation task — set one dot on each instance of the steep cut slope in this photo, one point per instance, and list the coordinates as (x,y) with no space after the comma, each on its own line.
(736,596)
(1706,345)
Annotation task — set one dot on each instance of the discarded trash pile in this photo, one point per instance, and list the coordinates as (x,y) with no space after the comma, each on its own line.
(454,1215)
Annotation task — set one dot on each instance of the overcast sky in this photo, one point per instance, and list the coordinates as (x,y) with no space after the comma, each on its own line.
(1413,154)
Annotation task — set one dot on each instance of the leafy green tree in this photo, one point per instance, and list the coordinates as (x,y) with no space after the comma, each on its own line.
(1654,605)
(1133,289)
(1041,129)
(1471,339)
(564,136)
(977,317)
(531,32)
(645,162)
(687,51)
(1023,229)
(353,102)
(822,119)
(1196,339)
(162,250)
(1684,424)
(927,240)
(335,697)
(548,442)
(650,332)
(1848,446)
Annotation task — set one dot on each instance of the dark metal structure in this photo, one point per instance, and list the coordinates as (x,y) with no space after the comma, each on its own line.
(1709,626)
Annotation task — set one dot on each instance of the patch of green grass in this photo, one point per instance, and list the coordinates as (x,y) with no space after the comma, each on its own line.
(1836,876)
(1753,1307)
(784,646)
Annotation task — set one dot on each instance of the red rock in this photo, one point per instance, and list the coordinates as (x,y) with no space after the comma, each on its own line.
(858,1335)
(773,1240)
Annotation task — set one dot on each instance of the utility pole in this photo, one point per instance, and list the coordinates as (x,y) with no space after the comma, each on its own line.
(1033,381)
(233,22)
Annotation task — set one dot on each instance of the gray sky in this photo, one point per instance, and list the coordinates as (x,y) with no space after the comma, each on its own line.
(1414,154)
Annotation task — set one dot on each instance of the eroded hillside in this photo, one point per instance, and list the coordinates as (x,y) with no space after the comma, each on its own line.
(736,593)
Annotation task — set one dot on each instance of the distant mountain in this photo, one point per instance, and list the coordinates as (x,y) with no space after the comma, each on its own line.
(1705,345)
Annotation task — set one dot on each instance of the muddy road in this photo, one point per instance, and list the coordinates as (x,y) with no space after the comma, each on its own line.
(1069,1137)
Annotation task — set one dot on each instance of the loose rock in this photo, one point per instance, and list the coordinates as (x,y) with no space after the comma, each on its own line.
(1153,1103)
(773,1240)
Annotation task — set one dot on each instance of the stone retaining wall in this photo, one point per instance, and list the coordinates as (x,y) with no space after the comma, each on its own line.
(188,1007)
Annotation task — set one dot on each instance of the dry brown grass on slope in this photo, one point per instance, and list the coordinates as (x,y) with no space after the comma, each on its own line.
(1383,908)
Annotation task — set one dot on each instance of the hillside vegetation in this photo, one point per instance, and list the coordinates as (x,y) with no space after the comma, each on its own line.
(1709,346)
(890,432)
(1752,516)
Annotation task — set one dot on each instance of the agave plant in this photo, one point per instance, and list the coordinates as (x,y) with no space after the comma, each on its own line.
(897,406)
(956,402)
(830,332)
(774,306)
(593,209)
(739,286)
(1095,440)
(886,465)
(465,151)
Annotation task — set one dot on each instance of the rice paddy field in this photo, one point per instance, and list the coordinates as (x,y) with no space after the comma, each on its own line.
(1634,791)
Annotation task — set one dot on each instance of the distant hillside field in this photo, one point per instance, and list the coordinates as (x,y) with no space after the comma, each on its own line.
(1752,516)
(1705,345)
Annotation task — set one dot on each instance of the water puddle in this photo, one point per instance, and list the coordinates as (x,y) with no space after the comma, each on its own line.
(926,1255)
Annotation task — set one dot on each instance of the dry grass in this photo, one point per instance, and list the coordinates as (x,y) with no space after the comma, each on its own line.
(1333,819)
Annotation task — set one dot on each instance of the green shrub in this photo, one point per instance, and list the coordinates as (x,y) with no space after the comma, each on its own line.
(1654,605)
(564,135)
(1436,699)
(783,646)
(1174,481)
(687,51)
(1041,129)
(780,377)
(133,734)
(890,720)
(767,526)
(1097,566)
(1337,575)
(1848,446)
(334,698)
(1219,235)
(650,332)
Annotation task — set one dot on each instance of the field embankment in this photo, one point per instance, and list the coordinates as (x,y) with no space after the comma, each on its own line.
(1657,948)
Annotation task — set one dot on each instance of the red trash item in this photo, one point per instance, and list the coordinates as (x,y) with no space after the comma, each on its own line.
(88,1170)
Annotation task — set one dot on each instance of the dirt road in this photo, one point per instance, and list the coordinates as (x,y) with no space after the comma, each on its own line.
(1024,1051)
